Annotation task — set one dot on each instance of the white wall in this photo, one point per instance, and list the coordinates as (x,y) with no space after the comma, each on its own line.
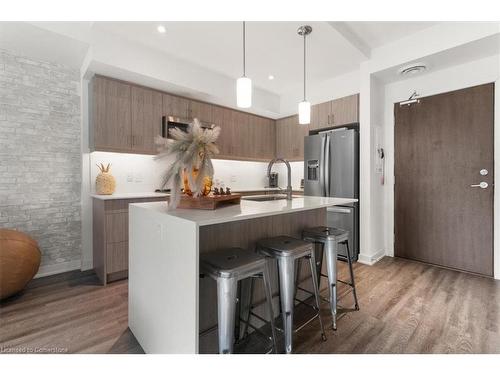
(466,75)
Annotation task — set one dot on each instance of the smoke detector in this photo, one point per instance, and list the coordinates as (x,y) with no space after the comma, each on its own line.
(413,69)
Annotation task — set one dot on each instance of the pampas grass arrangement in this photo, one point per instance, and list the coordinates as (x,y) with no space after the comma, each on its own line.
(192,151)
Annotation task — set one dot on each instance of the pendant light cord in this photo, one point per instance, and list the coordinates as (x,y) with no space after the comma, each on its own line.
(304,67)
(244,50)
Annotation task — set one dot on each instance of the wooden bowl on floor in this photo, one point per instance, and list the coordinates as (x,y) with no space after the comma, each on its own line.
(19,261)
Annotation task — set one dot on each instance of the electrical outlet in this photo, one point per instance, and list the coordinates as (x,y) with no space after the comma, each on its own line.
(233,178)
(130,177)
(138,177)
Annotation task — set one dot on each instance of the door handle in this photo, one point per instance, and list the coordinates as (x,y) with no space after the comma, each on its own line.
(482,185)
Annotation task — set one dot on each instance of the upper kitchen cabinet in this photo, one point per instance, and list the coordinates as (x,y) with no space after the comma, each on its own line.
(175,106)
(244,136)
(265,137)
(125,117)
(111,115)
(223,117)
(146,109)
(336,112)
(201,111)
(290,138)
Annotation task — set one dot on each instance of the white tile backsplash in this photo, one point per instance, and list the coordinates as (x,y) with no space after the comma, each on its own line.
(143,173)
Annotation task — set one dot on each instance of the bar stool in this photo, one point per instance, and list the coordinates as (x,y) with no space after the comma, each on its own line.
(227,267)
(330,238)
(286,250)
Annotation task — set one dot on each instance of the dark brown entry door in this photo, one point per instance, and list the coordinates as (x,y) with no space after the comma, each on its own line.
(441,146)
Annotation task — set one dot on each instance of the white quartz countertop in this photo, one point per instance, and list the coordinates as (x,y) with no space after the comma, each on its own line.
(294,188)
(130,195)
(246,210)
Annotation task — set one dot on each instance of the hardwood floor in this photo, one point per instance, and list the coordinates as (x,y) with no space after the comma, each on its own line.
(406,307)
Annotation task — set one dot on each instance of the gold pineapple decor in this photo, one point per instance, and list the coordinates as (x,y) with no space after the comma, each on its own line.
(105,183)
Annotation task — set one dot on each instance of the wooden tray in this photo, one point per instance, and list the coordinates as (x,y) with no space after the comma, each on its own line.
(210,202)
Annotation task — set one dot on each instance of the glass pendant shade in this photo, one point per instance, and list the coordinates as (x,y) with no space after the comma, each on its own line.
(244,92)
(304,112)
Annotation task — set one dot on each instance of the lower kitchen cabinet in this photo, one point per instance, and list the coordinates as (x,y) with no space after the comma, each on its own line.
(110,232)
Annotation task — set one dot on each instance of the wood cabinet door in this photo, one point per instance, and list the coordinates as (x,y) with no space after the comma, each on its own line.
(116,257)
(290,138)
(223,118)
(283,138)
(266,135)
(116,227)
(111,115)
(175,106)
(301,131)
(345,110)
(146,107)
(242,144)
(201,111)
(320,115)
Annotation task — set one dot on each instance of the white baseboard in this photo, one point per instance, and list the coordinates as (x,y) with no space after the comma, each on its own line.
(372,259)
(53,269)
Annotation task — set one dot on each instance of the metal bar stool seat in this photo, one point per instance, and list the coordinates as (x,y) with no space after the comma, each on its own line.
(286,250)
(330,237)
(227,267)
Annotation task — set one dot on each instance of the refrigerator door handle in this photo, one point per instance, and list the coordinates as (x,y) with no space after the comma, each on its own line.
(322,166)
(327,166)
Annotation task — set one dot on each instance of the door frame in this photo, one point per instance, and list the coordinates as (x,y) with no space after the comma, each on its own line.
(389,221)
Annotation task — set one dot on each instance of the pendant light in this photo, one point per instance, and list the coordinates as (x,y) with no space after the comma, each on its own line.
(244,84)
(304,105)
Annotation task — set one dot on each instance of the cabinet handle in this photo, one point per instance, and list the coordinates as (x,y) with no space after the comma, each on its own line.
(163,131)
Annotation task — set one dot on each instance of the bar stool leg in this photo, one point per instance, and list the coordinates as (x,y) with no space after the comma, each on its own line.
(287,291)
(226,292)
(267,287)
(314,276)
(353,285)
(247,295)
(331,264)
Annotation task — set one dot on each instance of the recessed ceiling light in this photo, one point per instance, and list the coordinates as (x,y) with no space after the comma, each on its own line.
(161,29)
(270,77)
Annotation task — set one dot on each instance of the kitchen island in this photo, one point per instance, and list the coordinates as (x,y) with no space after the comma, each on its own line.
(168,304)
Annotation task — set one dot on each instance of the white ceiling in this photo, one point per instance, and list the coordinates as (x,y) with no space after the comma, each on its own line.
(461,54)
(272,48)
(32,41)
(333,49)
(376,34)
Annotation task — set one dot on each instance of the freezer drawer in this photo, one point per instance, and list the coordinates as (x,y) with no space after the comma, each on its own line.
(344,217)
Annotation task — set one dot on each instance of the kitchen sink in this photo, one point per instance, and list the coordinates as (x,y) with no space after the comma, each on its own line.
(267,197)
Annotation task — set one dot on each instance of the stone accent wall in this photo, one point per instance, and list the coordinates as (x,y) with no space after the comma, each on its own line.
(40,155)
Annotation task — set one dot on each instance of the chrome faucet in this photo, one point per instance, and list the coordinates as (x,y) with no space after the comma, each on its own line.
(289,179)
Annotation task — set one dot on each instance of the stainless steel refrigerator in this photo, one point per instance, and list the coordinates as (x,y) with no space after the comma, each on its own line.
(331,169)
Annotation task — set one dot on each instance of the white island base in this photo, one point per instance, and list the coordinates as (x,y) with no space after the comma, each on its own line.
(168,304)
